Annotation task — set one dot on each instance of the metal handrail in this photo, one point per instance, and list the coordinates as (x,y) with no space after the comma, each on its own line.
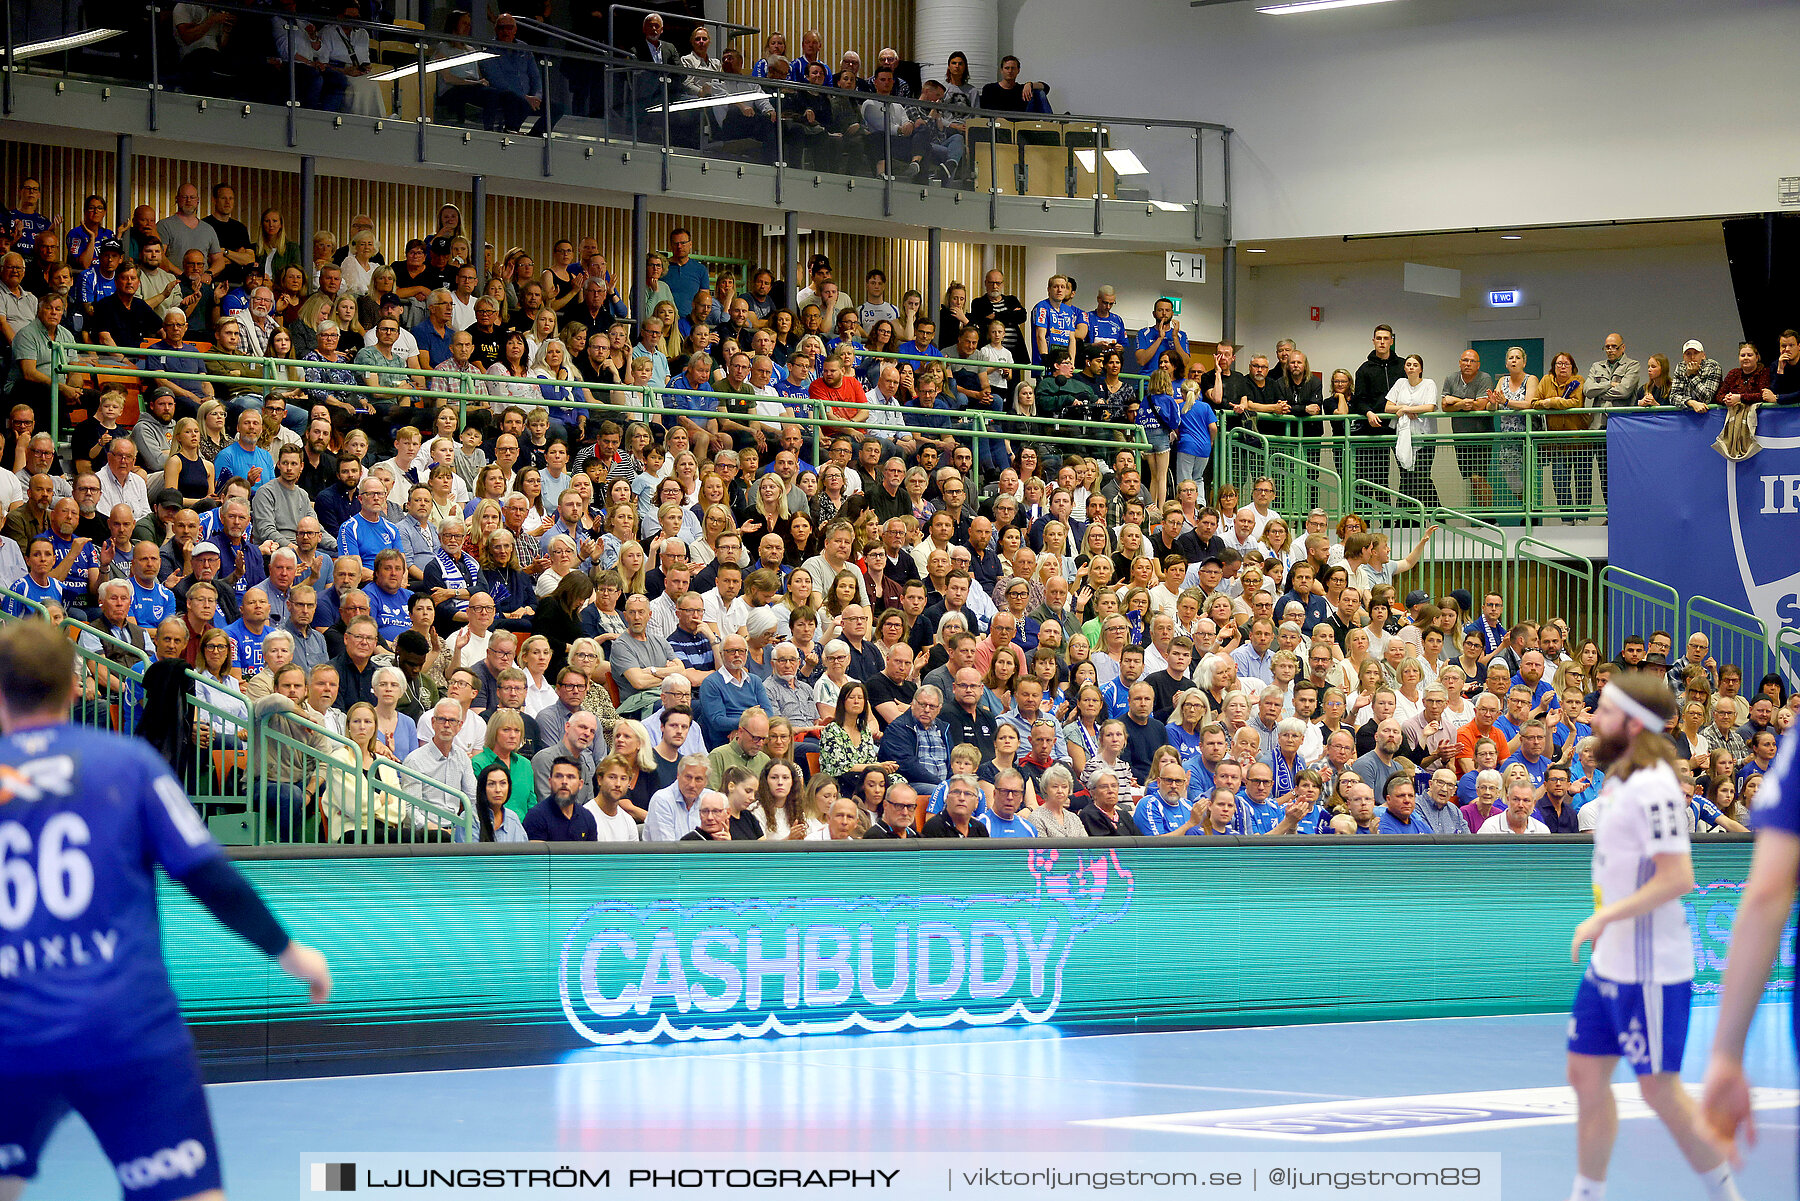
(1129,434)
(612,11)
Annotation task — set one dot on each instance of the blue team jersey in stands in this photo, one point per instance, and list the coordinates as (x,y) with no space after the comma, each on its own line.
(85,818)
(1057,321)
(1108,328)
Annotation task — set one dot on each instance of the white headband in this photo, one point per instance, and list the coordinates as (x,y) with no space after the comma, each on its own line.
(1632,708)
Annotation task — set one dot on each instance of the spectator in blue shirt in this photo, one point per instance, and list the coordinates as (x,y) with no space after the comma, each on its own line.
(1102,328)
(1401,815)
(1530,755)
(1165,808)
(1054,321)
(922,344)
(1162,335)
(389,598)
(244,459)
(513,74)
(686,275)
(1002,817)
(369,532)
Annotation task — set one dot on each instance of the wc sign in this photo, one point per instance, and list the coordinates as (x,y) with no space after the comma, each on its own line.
(717,968)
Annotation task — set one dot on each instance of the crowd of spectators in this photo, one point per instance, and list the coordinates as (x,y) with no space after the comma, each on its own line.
(839,119)
(606,620)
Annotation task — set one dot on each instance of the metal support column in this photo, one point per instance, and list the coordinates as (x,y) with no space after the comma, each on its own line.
(1228,319)
(934,269)
(478,224)
(640,250)
(790,256)
(122,169)
(308,200)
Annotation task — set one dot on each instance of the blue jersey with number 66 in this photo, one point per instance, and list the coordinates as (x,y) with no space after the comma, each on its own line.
(85,818)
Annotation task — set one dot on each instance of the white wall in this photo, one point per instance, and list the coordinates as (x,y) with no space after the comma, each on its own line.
(1657,298)
(1446,114)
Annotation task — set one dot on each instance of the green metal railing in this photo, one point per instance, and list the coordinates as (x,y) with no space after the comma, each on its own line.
(1634,604)
(1736,637)
(632,404)
(1507,477)
(1548,579)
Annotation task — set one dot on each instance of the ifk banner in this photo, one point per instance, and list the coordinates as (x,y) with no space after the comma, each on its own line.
(1682,514)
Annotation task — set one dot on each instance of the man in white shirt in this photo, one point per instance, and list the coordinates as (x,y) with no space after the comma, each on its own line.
(443,761)
(1517,817)
(612,823)
(119,484)
(675,810)
(726,613)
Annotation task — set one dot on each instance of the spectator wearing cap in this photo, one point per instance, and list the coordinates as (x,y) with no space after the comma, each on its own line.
(98,282)
(1696,379)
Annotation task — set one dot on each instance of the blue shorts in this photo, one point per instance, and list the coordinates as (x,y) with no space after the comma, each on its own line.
(1645,1023)
(149,1116)
(1158,437)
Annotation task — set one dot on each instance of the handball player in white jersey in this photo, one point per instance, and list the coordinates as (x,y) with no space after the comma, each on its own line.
(1633,999)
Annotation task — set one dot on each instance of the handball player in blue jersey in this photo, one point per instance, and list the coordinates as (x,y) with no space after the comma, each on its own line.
(1755,938)
(88,1021)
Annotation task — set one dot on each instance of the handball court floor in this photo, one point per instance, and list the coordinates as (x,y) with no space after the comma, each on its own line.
(1029,1088)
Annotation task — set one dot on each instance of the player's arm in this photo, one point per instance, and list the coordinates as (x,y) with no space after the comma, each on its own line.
(219,886)
(1674,878)
(1755,938)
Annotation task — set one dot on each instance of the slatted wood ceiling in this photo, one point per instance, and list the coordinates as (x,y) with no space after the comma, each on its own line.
(404,210)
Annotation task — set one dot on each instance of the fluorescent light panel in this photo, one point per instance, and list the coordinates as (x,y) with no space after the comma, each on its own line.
(74,41)
(682,106)
(441,64)
(1312,6)
(1123,162)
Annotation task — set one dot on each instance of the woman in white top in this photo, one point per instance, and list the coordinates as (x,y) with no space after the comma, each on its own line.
(359,265)
(1410,399)
(1458,712)
(831,684)
(534,660)
(563,554)
(512,370)
(820,795)
(778,800)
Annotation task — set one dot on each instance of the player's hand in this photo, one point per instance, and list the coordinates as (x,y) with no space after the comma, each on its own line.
(1725,1110)
(1588,931)
(303,963)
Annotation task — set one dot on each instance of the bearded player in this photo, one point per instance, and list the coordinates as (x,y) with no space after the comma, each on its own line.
(1633,1000)
(88,1021)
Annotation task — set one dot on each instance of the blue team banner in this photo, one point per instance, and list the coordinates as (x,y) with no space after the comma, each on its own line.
(1680,513)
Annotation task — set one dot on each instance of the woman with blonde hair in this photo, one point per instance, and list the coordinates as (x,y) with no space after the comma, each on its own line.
(505,745)
(632,741)
(186,469)
(1514,394)
(213,435)
(351,806)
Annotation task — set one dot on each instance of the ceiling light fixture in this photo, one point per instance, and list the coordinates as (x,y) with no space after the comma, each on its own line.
(441,64)
(1311,6)
(1123,162)
(1512,237)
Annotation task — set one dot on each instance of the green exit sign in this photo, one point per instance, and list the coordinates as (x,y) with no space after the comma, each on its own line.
(1176,301)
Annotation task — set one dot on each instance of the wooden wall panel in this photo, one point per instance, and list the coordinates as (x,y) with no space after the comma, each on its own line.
(864,26)
(403,210)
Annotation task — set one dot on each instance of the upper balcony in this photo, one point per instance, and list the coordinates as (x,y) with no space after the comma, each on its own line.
(618,126)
